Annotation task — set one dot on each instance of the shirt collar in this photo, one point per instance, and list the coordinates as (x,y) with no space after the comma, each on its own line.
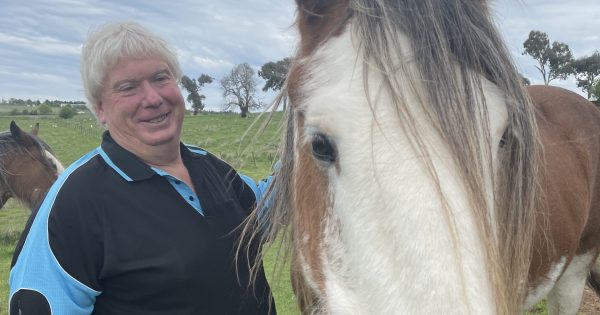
(127,164)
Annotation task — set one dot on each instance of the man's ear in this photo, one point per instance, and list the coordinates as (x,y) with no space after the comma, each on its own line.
(100,113)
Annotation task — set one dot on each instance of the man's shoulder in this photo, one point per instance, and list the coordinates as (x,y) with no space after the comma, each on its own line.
(83,172)
(210,159)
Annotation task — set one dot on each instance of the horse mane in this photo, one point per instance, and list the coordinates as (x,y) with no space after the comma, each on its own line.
(462,31)
(448,37)
(7,144)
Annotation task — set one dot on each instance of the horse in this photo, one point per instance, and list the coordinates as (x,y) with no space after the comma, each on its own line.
(28,166)
(419,176)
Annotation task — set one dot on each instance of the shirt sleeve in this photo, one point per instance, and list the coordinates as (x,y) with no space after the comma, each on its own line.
(260,191)
(39,282)
(260,188)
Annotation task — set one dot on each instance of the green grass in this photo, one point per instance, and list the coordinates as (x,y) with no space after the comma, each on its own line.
(221,134)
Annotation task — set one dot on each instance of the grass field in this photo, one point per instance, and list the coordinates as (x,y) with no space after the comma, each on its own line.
(221,134)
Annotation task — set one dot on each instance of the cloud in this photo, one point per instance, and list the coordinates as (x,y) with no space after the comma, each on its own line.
(39,85)
(29,76)
(212,63)
(41,44)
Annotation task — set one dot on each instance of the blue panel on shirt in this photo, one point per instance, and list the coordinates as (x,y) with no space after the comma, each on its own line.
(37,268)
(112,164)
(182,188)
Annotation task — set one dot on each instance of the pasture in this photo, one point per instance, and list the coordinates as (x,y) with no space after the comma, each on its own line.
(221,134)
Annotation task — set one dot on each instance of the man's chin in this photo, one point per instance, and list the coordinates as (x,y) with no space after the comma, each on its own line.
(162,141)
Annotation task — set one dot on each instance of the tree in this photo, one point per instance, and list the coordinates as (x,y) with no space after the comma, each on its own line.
(596,91)
(193,87)
(275,74)
(239,89)
(44,109)
(66,112)
(587,70)
(554,62)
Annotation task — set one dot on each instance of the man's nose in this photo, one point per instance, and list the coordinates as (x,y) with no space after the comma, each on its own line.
(151,95)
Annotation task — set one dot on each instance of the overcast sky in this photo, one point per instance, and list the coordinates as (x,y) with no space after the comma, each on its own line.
(40,41)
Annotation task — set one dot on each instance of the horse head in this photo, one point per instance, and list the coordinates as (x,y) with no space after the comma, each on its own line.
(393,175)
(28,166)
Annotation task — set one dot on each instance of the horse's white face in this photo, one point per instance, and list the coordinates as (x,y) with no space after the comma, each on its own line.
(383,244)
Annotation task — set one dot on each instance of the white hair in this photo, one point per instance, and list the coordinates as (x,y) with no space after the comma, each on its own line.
(112,42)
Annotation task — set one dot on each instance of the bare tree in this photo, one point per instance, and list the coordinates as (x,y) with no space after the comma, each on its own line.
(239,89)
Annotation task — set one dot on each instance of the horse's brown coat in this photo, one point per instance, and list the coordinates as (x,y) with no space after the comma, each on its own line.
(569,128)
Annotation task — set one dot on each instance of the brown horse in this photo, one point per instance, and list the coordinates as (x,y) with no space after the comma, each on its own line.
(27,166)
(419,177)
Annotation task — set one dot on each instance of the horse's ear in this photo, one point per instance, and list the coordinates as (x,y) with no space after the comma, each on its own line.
(35,129)
(15,131)
(19,135)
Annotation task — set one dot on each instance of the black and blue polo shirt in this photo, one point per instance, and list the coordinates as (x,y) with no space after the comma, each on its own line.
(115,236)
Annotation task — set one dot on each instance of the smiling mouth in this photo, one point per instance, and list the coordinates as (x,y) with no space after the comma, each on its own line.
(158,119)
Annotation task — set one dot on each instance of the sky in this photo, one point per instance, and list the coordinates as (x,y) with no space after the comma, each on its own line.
(40,41)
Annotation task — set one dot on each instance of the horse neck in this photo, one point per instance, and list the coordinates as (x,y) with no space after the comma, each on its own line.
(401,235)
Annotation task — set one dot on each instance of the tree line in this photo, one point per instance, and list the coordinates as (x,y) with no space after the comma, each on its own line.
(66,110)
(555,61)
(29,102)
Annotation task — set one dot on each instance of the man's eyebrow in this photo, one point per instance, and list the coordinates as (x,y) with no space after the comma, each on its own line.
(116,85)
(165,70)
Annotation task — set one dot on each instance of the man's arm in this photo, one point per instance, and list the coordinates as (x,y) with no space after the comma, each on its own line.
(52,270)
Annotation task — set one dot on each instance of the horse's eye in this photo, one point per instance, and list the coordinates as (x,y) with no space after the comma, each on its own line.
(323,149)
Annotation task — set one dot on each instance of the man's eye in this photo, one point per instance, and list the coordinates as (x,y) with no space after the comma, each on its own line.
(162,78)
(127,88)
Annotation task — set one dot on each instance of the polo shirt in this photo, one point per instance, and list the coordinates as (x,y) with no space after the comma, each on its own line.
(115,236)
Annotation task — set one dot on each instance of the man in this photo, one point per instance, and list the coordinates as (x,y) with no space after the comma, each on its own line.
(142,224)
